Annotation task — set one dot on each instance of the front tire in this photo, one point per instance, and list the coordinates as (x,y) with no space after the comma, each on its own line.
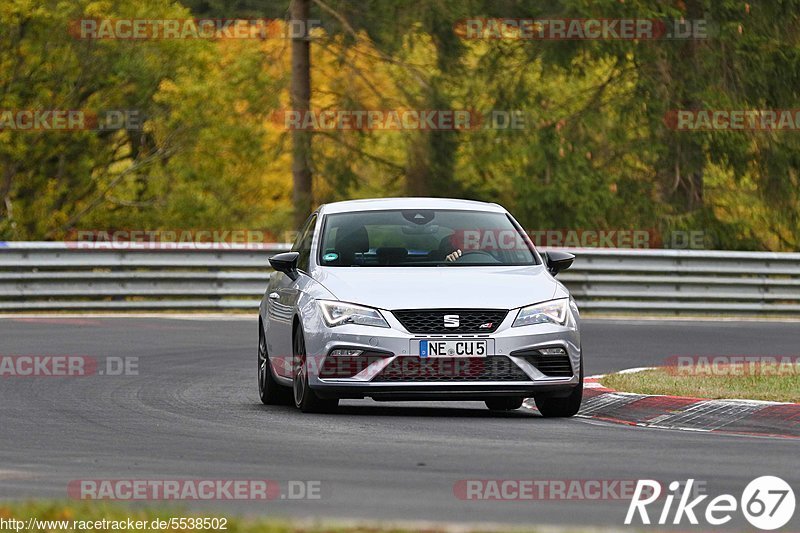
(551,407)
(305,398)
(270,391)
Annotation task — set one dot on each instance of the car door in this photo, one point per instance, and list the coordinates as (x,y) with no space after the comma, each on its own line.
(282,302)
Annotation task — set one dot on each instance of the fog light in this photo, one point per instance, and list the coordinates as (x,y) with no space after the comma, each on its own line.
(346,353)
(552,351)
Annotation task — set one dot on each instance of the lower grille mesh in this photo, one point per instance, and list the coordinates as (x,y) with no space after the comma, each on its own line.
(442,369)
(554,366)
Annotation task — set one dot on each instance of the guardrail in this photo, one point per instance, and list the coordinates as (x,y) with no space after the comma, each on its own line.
(685,281)
(84,276)
(55,276)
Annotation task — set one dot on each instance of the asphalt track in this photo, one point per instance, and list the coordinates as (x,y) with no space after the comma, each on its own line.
(192,412)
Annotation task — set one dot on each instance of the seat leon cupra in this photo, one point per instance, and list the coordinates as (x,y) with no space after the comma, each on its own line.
(419,299)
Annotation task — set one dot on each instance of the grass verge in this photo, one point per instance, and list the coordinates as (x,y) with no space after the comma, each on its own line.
(730,383)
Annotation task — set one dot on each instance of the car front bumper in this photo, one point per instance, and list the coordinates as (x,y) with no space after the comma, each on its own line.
(390,349)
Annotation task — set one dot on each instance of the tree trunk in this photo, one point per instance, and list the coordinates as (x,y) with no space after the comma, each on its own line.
(300,101)
(418,175)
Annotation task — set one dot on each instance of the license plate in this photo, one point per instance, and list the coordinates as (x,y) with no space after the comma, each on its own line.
(452,348)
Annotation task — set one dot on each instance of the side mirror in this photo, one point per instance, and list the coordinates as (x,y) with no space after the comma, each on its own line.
(557,261)
(286,263)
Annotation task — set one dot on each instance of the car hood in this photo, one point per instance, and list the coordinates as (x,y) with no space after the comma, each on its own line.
(439,287)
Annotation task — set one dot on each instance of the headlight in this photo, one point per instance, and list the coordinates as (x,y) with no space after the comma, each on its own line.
(552,312)
(338,313)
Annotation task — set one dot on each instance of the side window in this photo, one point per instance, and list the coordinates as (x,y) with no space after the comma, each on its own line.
(303,243)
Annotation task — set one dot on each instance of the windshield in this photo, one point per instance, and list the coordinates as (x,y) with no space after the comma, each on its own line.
(423,238)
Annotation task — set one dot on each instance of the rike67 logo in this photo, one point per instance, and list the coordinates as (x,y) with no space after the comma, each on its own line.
(767,502)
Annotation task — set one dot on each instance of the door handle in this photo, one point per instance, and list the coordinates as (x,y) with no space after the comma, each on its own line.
(274,296)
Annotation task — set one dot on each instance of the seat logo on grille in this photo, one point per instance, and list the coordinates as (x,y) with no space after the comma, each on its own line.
(451,321)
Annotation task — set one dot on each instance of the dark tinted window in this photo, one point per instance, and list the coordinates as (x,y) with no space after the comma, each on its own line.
(303,243)
(423,238)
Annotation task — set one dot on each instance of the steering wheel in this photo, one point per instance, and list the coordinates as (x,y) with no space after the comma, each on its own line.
(473,253)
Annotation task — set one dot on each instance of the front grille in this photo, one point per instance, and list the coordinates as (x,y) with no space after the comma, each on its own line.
(554,366)
(458,369)
(469,320)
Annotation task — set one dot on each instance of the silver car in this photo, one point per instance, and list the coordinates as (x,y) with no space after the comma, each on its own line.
(418,299)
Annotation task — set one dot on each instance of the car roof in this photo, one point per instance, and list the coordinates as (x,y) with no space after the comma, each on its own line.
(377,204)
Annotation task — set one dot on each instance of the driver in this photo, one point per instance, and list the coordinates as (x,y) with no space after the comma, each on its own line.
(448,250)
(453,256)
